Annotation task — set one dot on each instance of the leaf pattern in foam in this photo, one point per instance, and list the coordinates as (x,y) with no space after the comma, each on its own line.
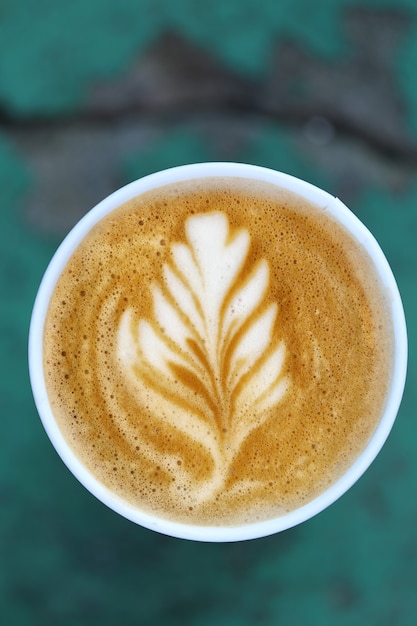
(207,356)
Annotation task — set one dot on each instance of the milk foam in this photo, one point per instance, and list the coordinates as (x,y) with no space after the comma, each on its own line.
(206,363)
(217,352)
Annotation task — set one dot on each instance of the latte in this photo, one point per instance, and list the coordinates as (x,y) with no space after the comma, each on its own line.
(217,351)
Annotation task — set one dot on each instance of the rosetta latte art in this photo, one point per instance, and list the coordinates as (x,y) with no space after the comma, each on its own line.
(206,362)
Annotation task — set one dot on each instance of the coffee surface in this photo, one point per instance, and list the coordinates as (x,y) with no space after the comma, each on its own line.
(217,352)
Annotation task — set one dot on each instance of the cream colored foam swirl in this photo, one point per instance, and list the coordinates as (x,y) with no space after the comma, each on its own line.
(207,363)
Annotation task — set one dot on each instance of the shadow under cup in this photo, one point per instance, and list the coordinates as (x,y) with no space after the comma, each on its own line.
(399,354)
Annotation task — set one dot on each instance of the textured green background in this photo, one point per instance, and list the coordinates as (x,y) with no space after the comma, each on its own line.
(323,90)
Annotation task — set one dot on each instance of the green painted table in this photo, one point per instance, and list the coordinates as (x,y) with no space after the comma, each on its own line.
(280,84)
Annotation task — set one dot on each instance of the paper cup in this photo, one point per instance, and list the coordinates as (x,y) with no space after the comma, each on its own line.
(394,393)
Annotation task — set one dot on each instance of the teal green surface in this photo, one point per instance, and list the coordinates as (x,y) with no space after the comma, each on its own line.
(65,558)
(52,50)
(63,45)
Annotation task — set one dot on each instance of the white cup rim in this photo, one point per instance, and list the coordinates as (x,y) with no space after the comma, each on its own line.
(188,172)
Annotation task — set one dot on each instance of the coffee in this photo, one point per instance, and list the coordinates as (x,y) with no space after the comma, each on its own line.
(218,351)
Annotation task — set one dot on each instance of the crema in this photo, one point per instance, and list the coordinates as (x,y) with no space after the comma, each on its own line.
(217,351)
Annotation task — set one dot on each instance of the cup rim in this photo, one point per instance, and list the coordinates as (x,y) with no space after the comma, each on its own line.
(227,170)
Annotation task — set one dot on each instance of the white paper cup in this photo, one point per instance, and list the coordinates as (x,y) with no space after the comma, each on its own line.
(199,171)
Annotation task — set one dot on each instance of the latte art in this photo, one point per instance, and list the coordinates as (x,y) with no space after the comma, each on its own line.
(217,352)
(207,363)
